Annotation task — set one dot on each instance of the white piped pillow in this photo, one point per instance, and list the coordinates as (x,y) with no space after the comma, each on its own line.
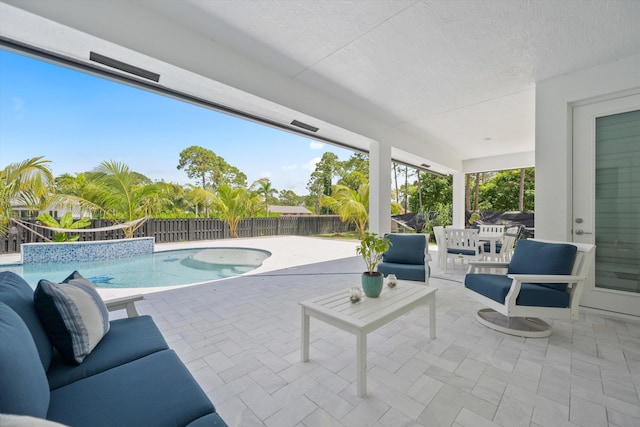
(73,315)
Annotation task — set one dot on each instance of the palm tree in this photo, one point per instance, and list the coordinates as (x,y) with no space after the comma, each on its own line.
(28,183)
(266,190)
(233,204)
(353,205)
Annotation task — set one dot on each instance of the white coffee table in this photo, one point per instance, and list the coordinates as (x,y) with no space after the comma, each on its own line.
(366,316)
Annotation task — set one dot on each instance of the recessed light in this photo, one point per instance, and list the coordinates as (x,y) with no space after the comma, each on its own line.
(487,139)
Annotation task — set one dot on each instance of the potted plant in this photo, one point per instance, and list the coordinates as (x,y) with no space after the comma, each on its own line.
(473,220)
(371,249)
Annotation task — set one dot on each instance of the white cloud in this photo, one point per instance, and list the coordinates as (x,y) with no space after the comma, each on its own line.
(311,164)
(289,167)
(265,175)
(315,145)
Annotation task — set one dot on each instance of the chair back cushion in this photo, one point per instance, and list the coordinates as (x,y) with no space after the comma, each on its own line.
(406,249)
(24,389)
(17,294)
(532,257)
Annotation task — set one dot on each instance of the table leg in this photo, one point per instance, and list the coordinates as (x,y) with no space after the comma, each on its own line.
(432,316)
(361,364)
(304,351)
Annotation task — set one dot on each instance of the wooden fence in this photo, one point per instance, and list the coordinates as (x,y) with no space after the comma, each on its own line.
(194,229)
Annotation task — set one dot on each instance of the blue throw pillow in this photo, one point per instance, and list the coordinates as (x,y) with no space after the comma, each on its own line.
(73,314)
(531,257)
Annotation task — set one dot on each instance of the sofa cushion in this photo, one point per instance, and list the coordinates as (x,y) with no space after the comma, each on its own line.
(23,384)
(403,271)
(74,316)
(209,420)
(405,249)
(128,339)
(496,287)
(156,390)
(531,257)
(17,294)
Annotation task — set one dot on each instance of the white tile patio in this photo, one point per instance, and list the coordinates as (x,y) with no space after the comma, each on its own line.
(240,338)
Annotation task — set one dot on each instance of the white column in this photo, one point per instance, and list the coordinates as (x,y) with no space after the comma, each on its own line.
(380,188)
(458,199)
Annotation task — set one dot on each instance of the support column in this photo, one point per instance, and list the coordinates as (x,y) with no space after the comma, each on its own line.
(458,200)
(380,188)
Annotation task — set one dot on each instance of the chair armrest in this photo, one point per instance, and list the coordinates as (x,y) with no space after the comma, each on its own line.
(540,278)
(489,264)
(475,266)
(125,303)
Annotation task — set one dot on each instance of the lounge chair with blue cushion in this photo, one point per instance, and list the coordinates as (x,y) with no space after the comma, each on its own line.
(408,258)
(543,279)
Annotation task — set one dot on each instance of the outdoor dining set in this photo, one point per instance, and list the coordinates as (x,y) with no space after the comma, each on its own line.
(483,242)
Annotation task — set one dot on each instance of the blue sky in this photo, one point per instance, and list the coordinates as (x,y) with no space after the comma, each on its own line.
(78,121)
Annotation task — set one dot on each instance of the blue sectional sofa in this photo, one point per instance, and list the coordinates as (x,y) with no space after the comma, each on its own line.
(130,378)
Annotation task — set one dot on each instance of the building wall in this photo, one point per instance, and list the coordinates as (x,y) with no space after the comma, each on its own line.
(555,99)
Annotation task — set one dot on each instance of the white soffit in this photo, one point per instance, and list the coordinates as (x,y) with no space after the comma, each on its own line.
(453,80)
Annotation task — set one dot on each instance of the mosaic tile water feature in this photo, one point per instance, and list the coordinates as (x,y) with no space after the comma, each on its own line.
(65,252)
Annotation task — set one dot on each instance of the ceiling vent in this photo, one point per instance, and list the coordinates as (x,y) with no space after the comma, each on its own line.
(123,66)
(304,126)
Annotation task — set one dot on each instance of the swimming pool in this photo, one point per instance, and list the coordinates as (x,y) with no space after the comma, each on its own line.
(165,268)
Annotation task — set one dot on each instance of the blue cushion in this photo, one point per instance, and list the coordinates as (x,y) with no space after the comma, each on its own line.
(531,257)
(23,384)
(74,316)
(156,390)
(210,420)
(17,294)
(128,339)
(405,249)
(496,287)
(403,271)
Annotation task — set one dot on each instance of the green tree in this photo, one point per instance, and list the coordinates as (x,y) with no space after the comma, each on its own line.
(209,168)
(28,183)
(197,163)
(502,192)
(354,171)
(353,206)
(233,204)
(435,190)
(321,181)
(290,198)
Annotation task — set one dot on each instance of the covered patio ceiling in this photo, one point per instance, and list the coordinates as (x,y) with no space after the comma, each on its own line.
(446,83)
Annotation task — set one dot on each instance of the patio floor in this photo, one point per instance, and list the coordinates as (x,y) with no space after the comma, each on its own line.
(240,338)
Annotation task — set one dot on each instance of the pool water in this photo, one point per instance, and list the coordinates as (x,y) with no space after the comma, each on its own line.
(166,268)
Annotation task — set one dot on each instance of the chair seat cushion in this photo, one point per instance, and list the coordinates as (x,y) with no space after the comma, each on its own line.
(532,257)
(405,249)
(156,390)
(496,287)
(403,271)
(128,339)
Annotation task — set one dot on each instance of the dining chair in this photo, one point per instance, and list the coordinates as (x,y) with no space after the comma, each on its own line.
(462,244)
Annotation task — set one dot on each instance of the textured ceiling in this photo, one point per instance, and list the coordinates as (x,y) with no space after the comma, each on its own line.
(456,76)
